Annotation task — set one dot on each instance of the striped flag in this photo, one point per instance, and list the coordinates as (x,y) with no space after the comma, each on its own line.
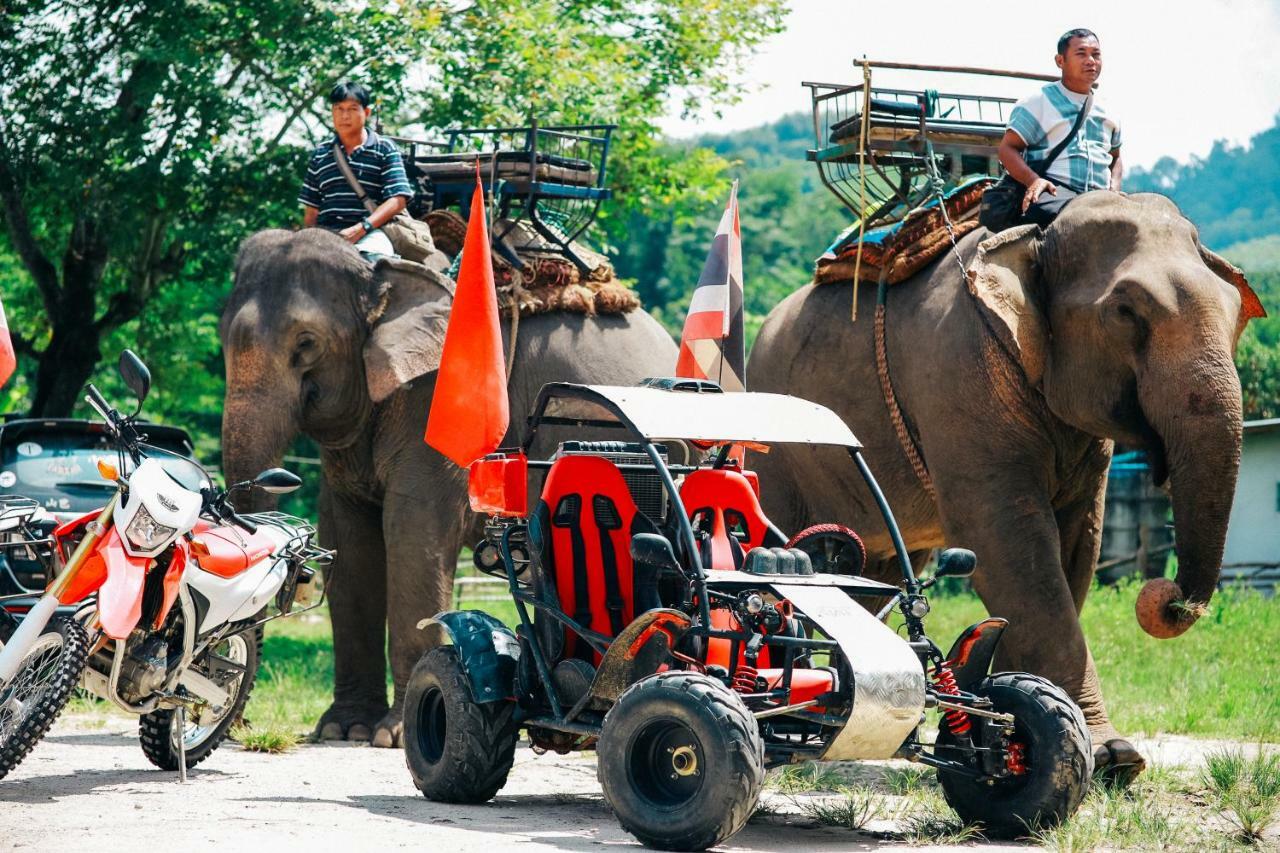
(7,359)
(713,345)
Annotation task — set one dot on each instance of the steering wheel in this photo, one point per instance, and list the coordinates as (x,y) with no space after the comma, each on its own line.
(832,548)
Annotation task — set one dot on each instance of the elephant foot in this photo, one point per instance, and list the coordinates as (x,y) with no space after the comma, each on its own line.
(1116,762)
(349,722)
(389,733)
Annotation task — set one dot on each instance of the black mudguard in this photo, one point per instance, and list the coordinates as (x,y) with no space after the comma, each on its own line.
(487,649)
(971,654)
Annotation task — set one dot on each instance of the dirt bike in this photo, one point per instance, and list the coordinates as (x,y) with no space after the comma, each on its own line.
(170,587)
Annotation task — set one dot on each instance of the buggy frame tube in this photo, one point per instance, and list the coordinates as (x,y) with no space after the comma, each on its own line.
(686,531)
(534,646)
(900,547)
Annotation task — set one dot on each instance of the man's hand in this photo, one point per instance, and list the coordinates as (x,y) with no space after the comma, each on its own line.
(355,233)
(1038,186)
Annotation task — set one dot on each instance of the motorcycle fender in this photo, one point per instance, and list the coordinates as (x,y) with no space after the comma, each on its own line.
(487,649)
(120,597)
(172,580)
(971,654)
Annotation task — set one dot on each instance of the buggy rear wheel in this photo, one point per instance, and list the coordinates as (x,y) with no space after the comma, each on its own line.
(681,761)
(1051,760)
(458,750)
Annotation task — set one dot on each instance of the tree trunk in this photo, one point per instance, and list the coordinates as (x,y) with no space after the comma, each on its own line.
(66,364)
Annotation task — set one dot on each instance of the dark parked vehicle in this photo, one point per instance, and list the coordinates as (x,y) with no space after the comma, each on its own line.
(53,461)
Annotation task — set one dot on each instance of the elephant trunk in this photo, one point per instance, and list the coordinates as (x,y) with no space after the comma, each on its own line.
(256,431)
(1202,450)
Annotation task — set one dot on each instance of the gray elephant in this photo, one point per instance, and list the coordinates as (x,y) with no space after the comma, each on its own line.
(1114,324)
(318,342)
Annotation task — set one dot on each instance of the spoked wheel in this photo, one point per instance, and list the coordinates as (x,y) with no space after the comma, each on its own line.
(832,548)
(681,761)
(40,689)
(1049,760)
(233,664)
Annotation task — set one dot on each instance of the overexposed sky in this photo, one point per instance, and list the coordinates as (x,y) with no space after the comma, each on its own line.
(1179,74)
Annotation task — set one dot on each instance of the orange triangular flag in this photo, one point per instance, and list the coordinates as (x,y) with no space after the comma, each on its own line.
(469,410)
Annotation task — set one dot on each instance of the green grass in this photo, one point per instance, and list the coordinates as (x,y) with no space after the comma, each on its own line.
(272,740)
(1210,682)
(1246,790)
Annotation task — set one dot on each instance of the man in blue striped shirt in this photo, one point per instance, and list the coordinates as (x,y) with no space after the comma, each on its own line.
(1090,160)
(327,198)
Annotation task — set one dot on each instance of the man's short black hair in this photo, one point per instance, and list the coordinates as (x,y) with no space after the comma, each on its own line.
(1065,41)
(346,90)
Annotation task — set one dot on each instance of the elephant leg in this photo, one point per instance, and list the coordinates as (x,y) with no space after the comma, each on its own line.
(357,610)
(1020,577)
(423,541)
(1080,529)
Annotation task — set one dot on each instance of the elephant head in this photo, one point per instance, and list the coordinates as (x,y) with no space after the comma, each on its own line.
(1128,326)
(313,338)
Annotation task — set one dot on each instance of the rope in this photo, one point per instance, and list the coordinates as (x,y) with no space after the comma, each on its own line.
(517,288)
(908,443)
(864,130)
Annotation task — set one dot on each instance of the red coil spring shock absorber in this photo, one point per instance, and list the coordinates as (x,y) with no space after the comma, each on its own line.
(744,679)
(945,682)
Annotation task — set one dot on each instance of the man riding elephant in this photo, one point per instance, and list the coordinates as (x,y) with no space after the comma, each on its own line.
(318,342)
(992,424)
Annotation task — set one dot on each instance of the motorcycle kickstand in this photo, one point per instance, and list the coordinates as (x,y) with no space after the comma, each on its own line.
(182,743)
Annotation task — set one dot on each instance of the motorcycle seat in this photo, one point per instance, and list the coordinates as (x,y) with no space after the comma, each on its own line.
(225,555)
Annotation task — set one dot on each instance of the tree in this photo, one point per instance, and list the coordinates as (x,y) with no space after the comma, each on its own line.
(141,140)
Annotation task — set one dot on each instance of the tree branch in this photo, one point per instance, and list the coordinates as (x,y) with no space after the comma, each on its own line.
(24,242)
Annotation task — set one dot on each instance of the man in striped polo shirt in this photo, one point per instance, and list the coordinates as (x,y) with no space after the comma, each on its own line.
(327,198)
(1090,160)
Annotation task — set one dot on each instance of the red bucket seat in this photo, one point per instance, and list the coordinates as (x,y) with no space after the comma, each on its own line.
(581,536)
(721,502)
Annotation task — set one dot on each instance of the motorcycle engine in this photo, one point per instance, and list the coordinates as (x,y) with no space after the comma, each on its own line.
(145,666)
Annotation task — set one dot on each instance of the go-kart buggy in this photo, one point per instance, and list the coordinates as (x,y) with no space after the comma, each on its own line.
(665,622)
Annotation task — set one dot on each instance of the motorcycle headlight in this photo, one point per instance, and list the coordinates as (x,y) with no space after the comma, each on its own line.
(145,533)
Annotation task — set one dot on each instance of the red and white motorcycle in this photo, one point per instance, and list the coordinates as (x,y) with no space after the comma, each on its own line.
(170,587)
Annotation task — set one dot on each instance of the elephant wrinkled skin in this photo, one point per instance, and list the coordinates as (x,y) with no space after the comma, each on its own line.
(318,342)
(1114,324)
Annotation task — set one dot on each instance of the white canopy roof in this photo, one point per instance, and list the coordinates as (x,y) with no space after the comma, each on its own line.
(657,413)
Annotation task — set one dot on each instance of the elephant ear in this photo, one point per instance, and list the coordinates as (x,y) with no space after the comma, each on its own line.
(1250,305)
(1004,278)
(407,308)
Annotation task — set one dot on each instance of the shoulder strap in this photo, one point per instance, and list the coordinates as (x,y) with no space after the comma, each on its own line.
(1066,140)
(345,168)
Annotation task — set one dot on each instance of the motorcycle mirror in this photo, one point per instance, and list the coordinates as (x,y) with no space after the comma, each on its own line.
(135,375)
(277,481)
(956,563)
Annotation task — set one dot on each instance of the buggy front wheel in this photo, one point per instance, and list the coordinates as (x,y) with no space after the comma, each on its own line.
(458,750)
(681,761)
(1050,761)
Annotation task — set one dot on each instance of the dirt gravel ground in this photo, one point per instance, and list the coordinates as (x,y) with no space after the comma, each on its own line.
(86,783)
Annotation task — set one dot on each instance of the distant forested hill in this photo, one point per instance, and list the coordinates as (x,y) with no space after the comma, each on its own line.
(1232,194)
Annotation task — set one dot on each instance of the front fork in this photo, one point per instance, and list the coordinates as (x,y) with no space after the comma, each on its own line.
(34,623)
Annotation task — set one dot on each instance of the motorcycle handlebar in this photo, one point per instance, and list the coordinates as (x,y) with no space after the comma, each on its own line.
(241,521)
(95,399)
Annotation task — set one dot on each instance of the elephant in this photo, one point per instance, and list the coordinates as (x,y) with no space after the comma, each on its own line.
(1014,378)
(316,341)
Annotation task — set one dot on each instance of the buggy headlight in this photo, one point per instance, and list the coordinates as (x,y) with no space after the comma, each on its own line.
(145,533)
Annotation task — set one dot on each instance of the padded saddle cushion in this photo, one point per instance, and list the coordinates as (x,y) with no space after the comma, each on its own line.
(510,164)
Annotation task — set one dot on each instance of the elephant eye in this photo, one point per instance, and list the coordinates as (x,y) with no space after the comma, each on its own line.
(305,349)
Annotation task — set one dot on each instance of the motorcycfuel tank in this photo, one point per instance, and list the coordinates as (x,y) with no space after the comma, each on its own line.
(226,596)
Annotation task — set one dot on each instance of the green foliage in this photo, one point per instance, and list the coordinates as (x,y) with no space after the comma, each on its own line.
(141,142)
(787,220)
